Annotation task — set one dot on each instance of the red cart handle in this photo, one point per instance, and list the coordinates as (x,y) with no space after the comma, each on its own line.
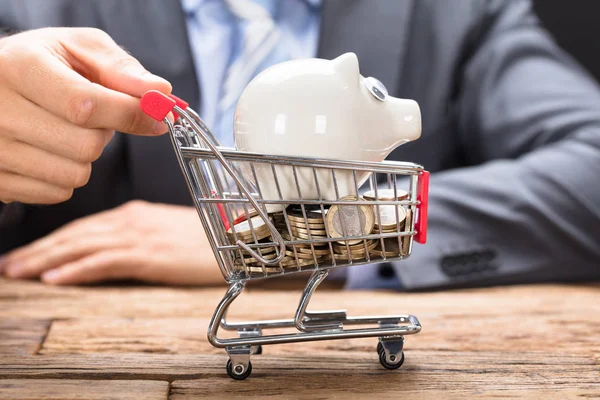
(156,104)
(179,103)
(423,198)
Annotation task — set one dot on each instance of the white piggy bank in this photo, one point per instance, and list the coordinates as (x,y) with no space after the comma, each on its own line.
(320,109)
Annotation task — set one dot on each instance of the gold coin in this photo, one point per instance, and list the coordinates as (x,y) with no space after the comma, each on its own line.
(345,257)
(297,224)
(356,219)
(313,216)
(293,228)
(318,252)
(356,245)
(250,260)
(300,263)
(259,270)
(387,215)
(317,232)
(263,250)
(300,254)
(391,248)
(302,236)
(287,237)
(386,195)
(244,233)
(356,250)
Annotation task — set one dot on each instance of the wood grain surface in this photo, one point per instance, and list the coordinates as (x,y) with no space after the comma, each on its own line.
(122,342)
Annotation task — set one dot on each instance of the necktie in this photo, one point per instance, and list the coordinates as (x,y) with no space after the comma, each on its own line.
(259,37)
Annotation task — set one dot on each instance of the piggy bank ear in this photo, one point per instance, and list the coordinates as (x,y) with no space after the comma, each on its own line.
(347,65)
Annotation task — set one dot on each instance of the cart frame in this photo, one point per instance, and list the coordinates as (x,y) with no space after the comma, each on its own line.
(196,150)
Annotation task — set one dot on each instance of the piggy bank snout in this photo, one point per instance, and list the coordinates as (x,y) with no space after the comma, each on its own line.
(406,118)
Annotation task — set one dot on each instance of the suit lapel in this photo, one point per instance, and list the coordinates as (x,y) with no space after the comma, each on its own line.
(375,30)
(154,31)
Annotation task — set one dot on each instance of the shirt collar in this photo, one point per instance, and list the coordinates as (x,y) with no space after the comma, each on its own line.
(270,5)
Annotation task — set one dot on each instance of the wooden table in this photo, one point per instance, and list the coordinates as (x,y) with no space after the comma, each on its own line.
(120,342)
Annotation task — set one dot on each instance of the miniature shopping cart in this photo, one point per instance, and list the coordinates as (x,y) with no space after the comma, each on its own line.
(226,188)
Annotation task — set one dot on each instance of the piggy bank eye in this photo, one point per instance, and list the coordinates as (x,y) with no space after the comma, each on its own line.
(376,88)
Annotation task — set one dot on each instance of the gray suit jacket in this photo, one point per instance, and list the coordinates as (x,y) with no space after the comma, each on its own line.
(511,131)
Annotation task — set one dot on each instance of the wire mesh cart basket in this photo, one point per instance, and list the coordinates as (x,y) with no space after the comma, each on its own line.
(268,216)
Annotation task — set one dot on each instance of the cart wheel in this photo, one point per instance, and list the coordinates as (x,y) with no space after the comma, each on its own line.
(241,376)
(390,365)
(379,347)
(257,350)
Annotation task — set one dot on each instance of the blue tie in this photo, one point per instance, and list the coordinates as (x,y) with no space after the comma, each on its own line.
(257,41)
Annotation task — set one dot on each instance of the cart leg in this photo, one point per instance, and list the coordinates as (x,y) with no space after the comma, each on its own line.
(239,366)
(218,317)
(250,332)
(389,349)
(317,321)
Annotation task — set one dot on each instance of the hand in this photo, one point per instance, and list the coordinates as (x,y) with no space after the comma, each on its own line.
(138,240)
(63,93)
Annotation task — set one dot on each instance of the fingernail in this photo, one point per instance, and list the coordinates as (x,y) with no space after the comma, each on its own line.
(51,276)
(159,127)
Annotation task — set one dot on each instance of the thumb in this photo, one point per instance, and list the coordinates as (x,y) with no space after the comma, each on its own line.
(98,58)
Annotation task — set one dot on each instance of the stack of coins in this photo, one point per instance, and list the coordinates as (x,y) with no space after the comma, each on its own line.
(300,228)
(388,219)
(350,220)
(354,251)
(313,223)
(244,232)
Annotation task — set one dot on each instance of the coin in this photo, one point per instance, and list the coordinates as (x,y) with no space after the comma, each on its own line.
(244,233)
(391,248)
(259,270)
(301,236)
(293,223)
(305,256)
(250,260)
(263,250)
(350,220)
(386,194)
(318,252)
(291,262)
(356,249)
(313,213)
(387,214)
(317,232)
(243,217)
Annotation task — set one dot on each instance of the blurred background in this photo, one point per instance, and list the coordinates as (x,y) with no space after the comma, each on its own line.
(575,27)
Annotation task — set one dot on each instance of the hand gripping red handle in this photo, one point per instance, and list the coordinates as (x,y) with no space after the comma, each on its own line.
(423,197)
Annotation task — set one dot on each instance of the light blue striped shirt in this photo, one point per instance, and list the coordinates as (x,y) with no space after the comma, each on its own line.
(215,37)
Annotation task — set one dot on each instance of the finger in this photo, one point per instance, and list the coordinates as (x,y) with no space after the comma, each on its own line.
(30,191)
(38,127)
(51,84)
(96,225)
(98,267)
(64,252)
(102,61)
(24,159)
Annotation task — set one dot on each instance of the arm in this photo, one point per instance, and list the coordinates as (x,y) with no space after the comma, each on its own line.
(530,211)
